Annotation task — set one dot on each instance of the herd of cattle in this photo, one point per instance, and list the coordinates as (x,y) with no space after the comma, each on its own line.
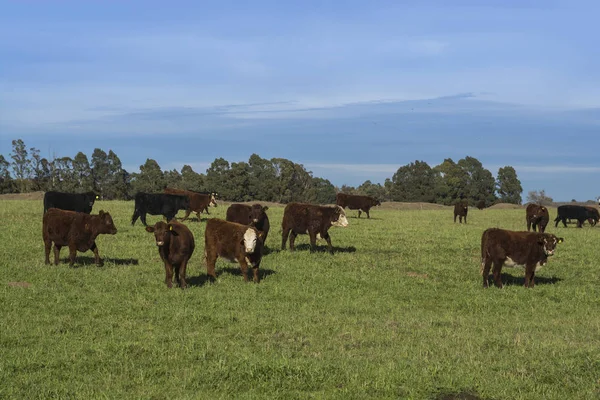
(67,222)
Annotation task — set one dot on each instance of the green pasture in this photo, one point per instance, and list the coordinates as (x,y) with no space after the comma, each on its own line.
(398,312)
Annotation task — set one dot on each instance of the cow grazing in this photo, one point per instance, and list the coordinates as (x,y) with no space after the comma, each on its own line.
(76,230)
(80,202)
(166,205)
(235,242)
(460,210)
(537,216)
(356,202)
(481,204)
(175,246)
(300,218)
(255,215)
(198,202)
(526,249)
(579,213)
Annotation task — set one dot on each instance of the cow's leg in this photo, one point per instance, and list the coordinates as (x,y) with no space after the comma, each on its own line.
(284,237)
(97,259)
(56,254)
(580,223)
(206,209)
(211,260)
(359,211)
(198,214)
(564,221)
(168,274)
(244,268)
(143,218)
(498,273)
(465,218)
(135,216)
(255,273)
(293,240)
(72,254)
(47,248)
(187,214)
(328,239)
(313,240)
(367,212)
(529,226)
(454,218)
(530,276)
(486,265)
(181,274)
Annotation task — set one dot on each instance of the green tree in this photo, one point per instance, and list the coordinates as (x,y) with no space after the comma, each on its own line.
(480,184)
(21,165)
(118,178)
(375,190)
(263,180)
(82,173)
(173,178)
(191,180)
(238,182)
(100,171)
(40,168)
(64,178)
(216,176)
(508,185)
(293,181)
(150,179)
(414,182)
(324,191)
(6,181)
(453,183)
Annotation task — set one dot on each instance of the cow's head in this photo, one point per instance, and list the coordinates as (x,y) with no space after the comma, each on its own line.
(213,200)
(258,213)
(252,240)
(107,225)
(338,217)
(162,233)
(549,242)
(376,202)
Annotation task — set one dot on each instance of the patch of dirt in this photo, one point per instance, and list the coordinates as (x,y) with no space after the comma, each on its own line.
(506,206)
(23,196)
(19,284)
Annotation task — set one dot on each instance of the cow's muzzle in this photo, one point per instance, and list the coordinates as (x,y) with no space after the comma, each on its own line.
(160,243)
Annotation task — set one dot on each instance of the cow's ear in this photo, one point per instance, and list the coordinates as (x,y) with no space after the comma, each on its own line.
(101,213)
(173,231)
(265,208)
(149,229)
(560,240)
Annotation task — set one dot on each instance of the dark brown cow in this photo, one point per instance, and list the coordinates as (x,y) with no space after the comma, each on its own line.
(481,204)
(526,249)
(300,218)
(460,210)
(537,216)
(198,202)
(235,242)
(356,202)
(595,215)
(255,215)
(74,229)
(175,245)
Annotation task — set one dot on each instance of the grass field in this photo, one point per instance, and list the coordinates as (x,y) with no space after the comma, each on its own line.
(398,312)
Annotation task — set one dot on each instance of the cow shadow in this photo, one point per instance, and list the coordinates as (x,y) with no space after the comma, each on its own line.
(510,280)
(325,249)
(270,250)
(365,218)
(203,278)
(82,261)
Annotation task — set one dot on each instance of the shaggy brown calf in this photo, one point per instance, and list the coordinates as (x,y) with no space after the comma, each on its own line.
(300,218)
(526,249)
(74,229)
(198,202)
(537,215)
(235,242)
(356,202)
(175,245)
(255,215)
(460,210)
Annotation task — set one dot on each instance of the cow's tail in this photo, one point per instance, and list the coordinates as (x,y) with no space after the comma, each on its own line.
(484,252)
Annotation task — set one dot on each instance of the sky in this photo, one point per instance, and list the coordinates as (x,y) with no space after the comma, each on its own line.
(350,89)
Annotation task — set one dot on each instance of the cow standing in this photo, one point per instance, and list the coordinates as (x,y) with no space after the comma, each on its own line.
(198,202)
(527,249)
(300,218)
(80,202)
(232,241)
(460,210)
(255,215)
(537,216)
(76,230)
(175,246)
(166,205)
(356,202)
(579,213)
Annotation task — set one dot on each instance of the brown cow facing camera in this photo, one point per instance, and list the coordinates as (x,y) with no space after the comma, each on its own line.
(301,218)
(255,215)
(525,249)
(175,246)
(235,242)
(77,230)
(460,210)
(537,216)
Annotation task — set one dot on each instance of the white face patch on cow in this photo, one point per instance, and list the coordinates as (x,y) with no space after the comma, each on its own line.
(250,240)
(342,221)
(319,236)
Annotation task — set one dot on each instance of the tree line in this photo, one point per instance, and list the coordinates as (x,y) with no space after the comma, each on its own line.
(277,180)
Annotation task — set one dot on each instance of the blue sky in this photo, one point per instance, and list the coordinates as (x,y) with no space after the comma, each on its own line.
(351,89)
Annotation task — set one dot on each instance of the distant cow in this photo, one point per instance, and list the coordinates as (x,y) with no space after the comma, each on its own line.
(300,218)
(460,210)
(481,204)
(235,242)
(80,202)
(255,215)
(76,230)
(526,249)
(175,246)
(166,205)
(579,213)
(198,202)
(356,202)
(537,216)
(595,215)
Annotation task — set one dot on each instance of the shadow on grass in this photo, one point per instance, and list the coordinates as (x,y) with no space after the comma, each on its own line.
(203,279)
(270,250)
(363,217)
(458,396)
(83,261)
(304,247)
(510,280)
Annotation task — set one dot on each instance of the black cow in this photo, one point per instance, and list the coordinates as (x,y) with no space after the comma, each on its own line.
(460,210)
(356,202)
(80,202)
(166,205)
(580,213)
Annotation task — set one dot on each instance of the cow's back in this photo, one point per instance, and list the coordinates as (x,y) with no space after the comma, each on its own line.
(223,236)
(296,216)
(58,224)
(239,213)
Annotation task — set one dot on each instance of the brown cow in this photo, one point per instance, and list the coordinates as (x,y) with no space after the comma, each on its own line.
(526,249)
(537,215)
(254,215)
(461,209)
(235,242)
(301,218)
(595,215)
(175,245)
(356,202)
(198,202)
(481,204)
(74,229)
